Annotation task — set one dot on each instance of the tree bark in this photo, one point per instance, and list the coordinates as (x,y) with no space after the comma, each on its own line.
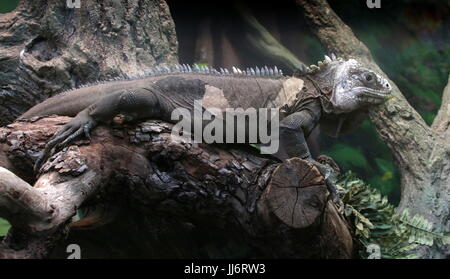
(421,153)
(46,47)
(240,203)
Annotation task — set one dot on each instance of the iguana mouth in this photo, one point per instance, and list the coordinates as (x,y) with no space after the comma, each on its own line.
(373,92)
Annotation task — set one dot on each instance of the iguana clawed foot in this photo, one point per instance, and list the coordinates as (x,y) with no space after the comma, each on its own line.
(81,124)
(327,169)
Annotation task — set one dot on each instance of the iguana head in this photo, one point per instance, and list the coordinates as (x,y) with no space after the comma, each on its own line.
(350,85)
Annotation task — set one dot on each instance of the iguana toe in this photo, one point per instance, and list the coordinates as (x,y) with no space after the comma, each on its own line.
(70,131)
(327,172)
(63,141)
(87,130)
(334,193)
(38,163)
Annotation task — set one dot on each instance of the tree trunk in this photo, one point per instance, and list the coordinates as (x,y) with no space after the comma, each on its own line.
(421,153)
(166,198)
(47,47)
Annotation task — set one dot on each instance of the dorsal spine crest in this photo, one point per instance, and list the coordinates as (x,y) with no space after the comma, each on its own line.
(186,68)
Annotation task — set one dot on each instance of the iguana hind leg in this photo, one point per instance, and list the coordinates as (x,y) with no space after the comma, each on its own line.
(105,109)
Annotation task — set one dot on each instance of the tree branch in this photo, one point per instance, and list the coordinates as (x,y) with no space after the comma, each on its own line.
(39,213)
(399,125)
(331,31)
(260,200)
(47,47)
(441,124)
(421,155)
(21,204)
(261,40)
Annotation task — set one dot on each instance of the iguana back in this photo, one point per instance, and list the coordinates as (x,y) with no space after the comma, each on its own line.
(253,88)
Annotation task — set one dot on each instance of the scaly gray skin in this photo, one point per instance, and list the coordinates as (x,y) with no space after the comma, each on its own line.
(333,88)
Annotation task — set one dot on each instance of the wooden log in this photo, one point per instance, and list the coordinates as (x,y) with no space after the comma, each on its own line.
(297,193)
(223,200)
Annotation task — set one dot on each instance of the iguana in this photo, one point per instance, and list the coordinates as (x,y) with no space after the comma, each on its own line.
(330,90)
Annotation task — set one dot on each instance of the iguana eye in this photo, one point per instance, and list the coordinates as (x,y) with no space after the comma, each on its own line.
(369,77)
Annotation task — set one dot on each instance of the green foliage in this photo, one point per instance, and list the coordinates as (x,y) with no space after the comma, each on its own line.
(257,146)
(375,222)
(349,157)
(8,5)
(419,229)
(362,151)
(421,72)
(201,64)
(4,227)
(315,50)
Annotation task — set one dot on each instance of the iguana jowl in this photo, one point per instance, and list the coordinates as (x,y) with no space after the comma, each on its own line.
(333,88)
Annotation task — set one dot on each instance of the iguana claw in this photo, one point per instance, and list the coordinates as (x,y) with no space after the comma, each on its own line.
(82,123)
(327,171)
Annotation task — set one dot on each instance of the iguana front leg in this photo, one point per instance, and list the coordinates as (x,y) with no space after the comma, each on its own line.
(293,144)
(103,110)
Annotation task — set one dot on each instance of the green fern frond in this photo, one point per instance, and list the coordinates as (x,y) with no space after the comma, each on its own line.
(419,229)
(375,222)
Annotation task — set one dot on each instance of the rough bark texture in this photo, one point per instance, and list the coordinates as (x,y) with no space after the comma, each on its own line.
(222,202)
(422,153)
(46,47)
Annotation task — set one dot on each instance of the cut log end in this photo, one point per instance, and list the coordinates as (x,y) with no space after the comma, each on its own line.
(297,193)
